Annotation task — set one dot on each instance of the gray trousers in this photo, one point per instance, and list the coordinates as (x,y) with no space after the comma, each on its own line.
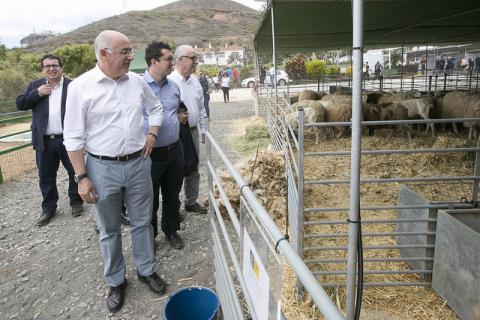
(131,182)
(191,183)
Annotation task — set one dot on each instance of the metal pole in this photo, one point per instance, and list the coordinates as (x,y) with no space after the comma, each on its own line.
(477,169)
(300,176)
(401,67)
(208,151)
(426,64)
(354,212)
(273,50)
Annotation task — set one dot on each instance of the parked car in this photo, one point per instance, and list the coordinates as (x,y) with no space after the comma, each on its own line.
(282,79)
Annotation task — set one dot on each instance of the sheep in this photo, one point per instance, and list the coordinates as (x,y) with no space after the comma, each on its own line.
(386,112)
(416,107)
(339,112)
(457,104)
(422,108)
(307,95)
(311,115)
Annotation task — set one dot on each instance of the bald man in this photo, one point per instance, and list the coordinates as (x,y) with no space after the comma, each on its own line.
(105,122)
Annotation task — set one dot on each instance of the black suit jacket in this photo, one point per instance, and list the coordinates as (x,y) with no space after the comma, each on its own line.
(30,99)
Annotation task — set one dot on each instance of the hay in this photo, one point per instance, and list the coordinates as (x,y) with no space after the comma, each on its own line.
(248,135)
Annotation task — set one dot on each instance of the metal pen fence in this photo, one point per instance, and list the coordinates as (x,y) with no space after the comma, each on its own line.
(250,251)
(16,156)
(399,230)
(429,81)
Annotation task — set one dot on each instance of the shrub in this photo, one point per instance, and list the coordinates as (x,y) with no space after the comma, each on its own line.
(333,71)
(315,68)
(76,58)
(295,67)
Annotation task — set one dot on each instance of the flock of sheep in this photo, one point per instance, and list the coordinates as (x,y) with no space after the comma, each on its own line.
(381,106)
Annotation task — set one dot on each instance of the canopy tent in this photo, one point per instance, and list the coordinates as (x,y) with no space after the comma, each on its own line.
(310,25)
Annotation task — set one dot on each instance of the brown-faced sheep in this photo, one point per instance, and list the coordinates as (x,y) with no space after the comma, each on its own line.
(386,112)
(339,112)
(457,104)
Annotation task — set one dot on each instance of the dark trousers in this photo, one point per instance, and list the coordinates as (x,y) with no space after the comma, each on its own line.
(206,100)
(226,96)
(168,167)
(47,163)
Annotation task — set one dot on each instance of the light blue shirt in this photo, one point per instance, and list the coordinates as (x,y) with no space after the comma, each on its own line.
(169,95)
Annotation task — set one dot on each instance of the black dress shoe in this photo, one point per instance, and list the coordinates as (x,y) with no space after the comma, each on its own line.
(77,210)
(116,296)
(45,218)
(175,240)
(196,208)
(155,283)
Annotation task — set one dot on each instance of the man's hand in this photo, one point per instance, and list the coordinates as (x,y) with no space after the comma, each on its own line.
(44,90)
(149,142)
(87,191)
(183,117)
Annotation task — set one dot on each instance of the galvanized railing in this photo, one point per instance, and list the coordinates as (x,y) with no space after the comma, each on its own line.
(233,231)
(320,233)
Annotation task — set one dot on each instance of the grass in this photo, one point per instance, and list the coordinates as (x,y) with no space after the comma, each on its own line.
(256,135)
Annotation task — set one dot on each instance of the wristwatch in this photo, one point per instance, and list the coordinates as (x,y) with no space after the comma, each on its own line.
(79,177)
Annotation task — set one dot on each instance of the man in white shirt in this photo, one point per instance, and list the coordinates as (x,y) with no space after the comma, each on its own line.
(46,98)
(104,118)
(191,93)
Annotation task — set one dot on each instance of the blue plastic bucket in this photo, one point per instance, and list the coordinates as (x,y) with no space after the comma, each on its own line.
(195,303)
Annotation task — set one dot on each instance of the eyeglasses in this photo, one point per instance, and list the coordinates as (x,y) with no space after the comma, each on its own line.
(51,66)
(170,59)
(125,52)
(193,58)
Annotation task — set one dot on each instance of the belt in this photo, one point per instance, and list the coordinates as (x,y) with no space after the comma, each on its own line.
(124,158)
(53,136)
(166,148)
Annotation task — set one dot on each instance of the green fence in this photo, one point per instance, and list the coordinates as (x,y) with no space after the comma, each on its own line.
(16,156)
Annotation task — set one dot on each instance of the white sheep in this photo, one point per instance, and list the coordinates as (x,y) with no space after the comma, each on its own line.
(307,95)
(311,115)
(420,108)
(457,104)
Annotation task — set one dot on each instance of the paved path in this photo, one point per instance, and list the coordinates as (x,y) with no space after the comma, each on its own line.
(55,272)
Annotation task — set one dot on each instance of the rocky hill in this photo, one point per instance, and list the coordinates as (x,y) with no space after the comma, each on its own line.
(183,22)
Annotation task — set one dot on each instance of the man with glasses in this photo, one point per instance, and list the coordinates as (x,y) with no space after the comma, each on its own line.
(191,93)
(167,154)
(104,118)
(46,98)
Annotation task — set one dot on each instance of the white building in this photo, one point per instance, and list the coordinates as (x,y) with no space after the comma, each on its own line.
(221,56)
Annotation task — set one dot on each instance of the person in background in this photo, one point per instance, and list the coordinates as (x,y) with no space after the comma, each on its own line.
(378,69)
(225,84)
(191,93)
(46,98)
(104,119)
(235,75)
(271,73)
(367,71)
(206,84)
(229,72)
(263,74)
(167,157)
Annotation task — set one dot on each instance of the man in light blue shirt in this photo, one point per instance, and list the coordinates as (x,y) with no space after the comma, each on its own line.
(167,157)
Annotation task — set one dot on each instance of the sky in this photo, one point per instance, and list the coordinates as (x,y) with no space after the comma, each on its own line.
(19,18)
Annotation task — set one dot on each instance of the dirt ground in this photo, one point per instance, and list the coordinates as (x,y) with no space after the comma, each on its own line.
(56,272)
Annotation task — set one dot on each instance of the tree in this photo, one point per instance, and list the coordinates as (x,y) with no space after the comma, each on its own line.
(295,67)
(76,58)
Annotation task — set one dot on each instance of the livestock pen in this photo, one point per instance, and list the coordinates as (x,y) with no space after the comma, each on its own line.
(398,247)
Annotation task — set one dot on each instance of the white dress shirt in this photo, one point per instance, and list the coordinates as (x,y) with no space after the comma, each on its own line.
(191,93)
(105,116)
(54,124)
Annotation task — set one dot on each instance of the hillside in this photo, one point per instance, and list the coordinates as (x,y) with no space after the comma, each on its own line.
(182,22)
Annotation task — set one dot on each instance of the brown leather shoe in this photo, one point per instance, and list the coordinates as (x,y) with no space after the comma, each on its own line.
(175,240)
(155,283)
(116,296)
(77,210)
(45,218)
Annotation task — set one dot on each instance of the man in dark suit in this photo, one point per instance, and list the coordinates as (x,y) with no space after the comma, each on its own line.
(46,97)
